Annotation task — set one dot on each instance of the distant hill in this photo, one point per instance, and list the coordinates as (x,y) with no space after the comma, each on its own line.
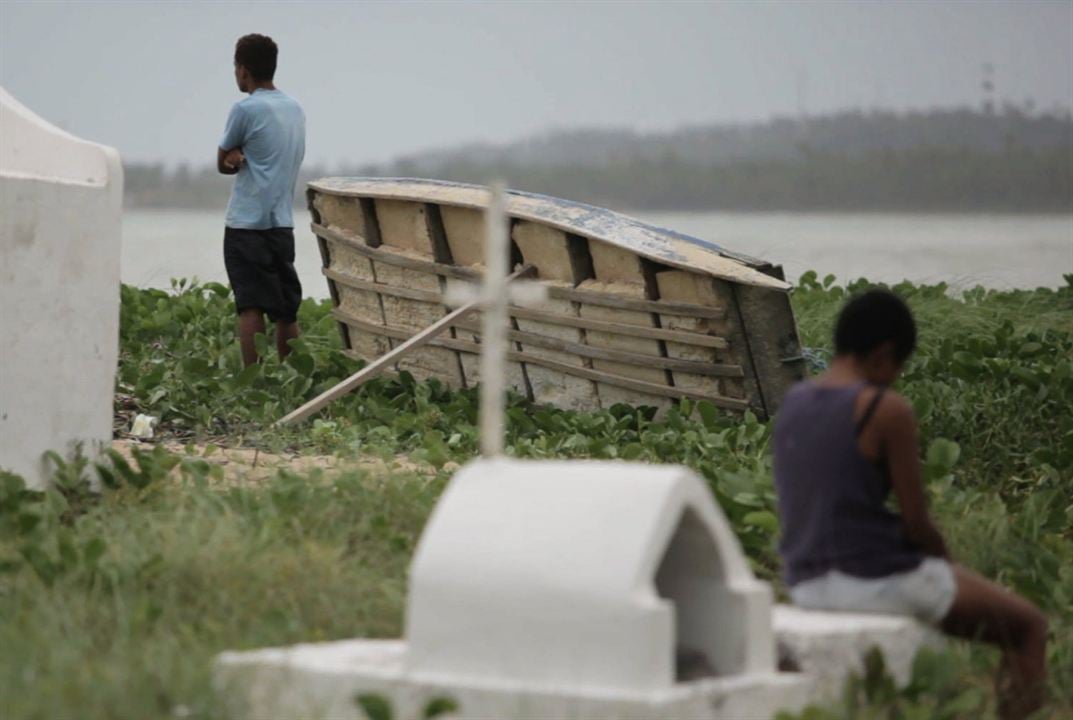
(780,139)
(939,160)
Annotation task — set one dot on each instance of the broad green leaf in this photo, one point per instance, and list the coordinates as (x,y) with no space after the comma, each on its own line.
(685,407)
(762,519)
(943,453)
(439,706)
(260,341)
(1031,348)
(709,413)
(301,362)
(247,376)
(375,707)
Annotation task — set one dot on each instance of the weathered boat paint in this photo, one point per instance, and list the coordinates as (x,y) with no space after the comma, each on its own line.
(636,314)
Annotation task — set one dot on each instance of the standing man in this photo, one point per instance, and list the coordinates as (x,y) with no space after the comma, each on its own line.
(263,144)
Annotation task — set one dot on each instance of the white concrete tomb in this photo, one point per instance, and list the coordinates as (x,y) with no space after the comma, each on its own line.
(554,590)
(830,646)
(60,205)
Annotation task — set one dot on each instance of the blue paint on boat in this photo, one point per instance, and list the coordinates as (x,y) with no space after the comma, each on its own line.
(597,220)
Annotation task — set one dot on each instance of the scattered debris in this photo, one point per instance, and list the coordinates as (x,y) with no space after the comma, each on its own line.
(142,427)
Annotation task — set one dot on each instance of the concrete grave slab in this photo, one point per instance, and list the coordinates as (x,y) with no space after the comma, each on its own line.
(320,681)
(611,590)
(829,646)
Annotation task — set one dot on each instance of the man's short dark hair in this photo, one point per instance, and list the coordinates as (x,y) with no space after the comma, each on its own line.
(257,53)
(873,318)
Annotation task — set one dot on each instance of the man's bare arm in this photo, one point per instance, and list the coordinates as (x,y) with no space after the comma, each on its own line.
(901,448)
(228,162)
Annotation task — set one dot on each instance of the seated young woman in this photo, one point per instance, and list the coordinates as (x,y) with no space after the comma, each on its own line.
(842,441)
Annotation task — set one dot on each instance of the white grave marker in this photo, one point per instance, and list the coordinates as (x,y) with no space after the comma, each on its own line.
(60,207)
(495,297)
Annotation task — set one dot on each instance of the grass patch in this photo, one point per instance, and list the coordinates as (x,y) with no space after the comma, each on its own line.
(181,572)
(113,605)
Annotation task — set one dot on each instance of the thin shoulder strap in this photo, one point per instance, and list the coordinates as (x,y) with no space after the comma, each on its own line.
(871,409)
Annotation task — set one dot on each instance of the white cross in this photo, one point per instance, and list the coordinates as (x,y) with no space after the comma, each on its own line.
(494,297)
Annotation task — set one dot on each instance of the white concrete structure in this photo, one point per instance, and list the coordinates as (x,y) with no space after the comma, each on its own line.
(829,646)
(60,205)
(555,589)
(601,571)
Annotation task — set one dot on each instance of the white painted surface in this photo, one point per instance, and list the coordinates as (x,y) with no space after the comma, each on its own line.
(494,321)
(546,572)
(60,207)
(552,590)
(321,681)
(828,646)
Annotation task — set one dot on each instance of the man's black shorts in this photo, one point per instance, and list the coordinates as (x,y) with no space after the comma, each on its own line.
(260,267)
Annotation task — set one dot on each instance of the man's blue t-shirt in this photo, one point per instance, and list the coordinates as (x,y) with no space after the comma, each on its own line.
(270,128)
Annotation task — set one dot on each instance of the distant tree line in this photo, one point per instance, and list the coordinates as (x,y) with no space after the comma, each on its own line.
(956,160)
(923,179)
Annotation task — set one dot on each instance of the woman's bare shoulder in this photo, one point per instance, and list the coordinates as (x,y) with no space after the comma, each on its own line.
(895,412)
(892,408)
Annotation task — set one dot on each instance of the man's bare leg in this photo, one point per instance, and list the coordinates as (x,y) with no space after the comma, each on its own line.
(986,611)
(285,332)
(250,322)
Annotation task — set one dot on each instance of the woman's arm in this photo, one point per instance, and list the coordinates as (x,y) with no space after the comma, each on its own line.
(901,447)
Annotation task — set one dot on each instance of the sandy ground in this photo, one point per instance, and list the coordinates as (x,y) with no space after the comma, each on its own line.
(251,466)
(242,465)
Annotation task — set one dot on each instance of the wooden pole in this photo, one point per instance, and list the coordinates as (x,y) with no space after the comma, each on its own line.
(376,366)
(386,360)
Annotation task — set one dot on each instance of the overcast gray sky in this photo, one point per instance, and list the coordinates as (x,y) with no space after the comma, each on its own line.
(377,80)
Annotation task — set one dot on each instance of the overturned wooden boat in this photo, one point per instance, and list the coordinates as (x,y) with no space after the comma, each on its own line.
(636,314)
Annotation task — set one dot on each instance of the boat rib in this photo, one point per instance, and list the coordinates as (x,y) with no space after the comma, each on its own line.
(635,313)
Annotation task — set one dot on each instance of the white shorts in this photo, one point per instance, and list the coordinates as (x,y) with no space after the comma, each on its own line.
(926,592)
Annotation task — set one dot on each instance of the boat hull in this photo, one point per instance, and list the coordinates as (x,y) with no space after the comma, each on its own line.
(635,314)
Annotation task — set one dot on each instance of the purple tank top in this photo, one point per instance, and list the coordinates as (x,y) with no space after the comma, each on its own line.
(831,499)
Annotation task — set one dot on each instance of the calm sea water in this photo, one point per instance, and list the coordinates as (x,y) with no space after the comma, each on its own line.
(1000,251)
